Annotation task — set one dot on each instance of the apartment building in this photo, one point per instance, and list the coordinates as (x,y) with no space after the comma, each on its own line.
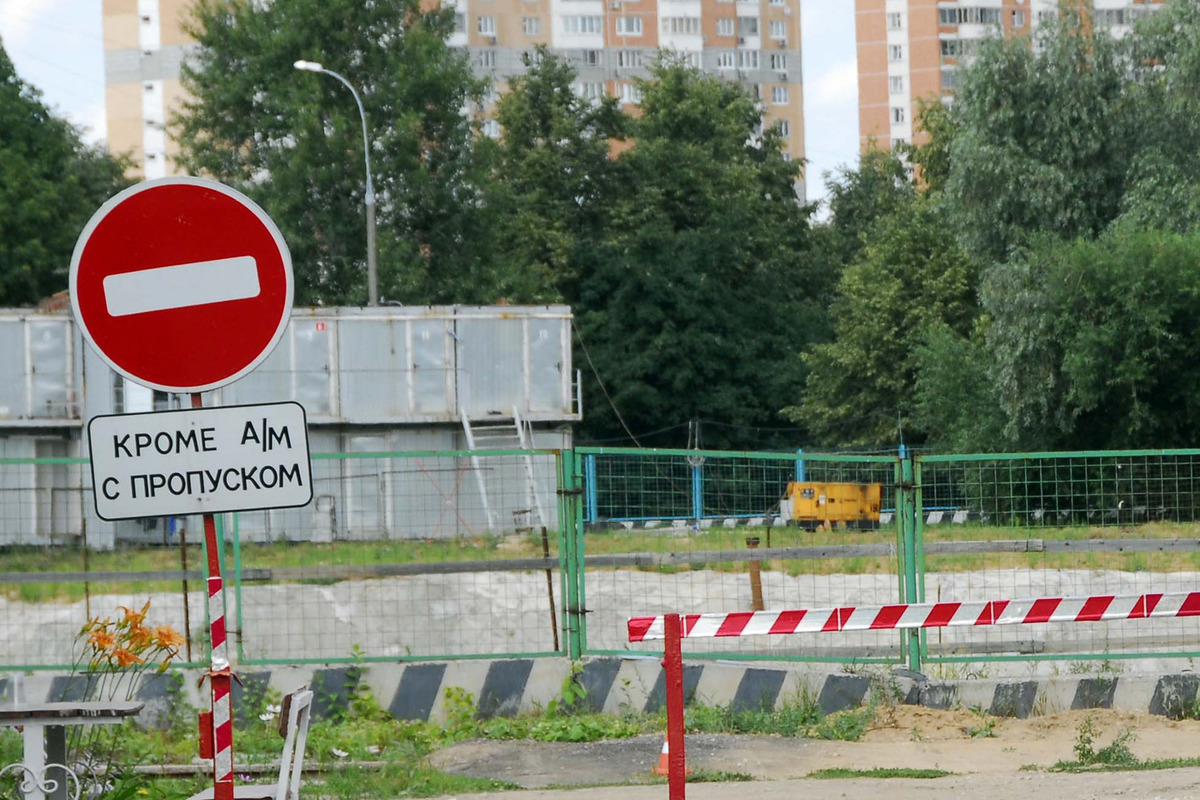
(611,42)
(911,49)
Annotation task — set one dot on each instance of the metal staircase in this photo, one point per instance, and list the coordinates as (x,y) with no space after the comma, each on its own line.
(504,434)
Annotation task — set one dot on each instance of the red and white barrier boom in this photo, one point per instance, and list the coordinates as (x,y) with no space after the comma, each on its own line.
(904,616)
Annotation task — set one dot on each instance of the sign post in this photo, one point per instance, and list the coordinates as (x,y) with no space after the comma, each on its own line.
(185,285)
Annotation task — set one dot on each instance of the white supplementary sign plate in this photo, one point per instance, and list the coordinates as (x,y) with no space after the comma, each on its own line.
(200,461)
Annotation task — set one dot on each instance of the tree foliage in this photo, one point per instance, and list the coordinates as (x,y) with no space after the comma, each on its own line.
(911,278)
(50,185)
(293,140)
(553,182)
(860,197)
(1164,178)
(1041,141)
(1094,341)
(699,298)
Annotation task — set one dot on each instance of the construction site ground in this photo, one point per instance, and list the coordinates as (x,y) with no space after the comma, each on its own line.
(990,759)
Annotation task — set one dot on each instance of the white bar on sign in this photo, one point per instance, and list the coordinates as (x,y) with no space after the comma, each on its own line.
(181,286)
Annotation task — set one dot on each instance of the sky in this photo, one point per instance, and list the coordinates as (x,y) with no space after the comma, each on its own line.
(58,46)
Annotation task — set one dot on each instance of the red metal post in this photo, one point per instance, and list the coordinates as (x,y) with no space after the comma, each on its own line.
(673,681)
(219,675)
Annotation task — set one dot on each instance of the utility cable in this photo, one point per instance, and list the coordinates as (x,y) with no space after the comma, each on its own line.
(600,381)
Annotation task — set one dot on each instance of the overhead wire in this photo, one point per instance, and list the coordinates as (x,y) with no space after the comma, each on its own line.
(600,382)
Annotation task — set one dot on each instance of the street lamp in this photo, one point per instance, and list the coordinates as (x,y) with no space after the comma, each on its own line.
(372,275)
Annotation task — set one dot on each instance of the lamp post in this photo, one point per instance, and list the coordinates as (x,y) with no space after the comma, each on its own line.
(369,200)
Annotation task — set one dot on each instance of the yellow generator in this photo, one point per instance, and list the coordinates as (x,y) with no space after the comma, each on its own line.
(854,505)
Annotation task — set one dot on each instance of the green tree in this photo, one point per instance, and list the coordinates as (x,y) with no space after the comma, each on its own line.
(1043,139)
(859,197)
(293,140)
(553,183)
(697,300)
(956,407)
(1095,342)
(50,185)
(936,120)
(1164,178)
(911,278)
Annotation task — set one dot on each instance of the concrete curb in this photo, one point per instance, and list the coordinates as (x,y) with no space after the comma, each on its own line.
(504,687)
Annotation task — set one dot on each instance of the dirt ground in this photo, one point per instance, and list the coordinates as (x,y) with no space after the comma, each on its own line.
(984,766)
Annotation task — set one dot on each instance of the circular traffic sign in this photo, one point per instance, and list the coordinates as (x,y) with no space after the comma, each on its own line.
(181,284)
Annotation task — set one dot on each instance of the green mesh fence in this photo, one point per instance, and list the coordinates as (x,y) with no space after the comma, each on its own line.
(693,532)
(431,555)
(1059,524)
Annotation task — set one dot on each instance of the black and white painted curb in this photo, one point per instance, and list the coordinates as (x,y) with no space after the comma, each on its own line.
(504,687)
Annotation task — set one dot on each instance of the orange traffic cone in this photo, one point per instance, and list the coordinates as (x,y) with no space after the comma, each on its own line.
(663,767)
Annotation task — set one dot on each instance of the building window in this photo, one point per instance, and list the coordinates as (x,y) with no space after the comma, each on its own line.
(969,16)
(583,24)
(1046,17)
(593,58)
(532,26)
(630,93)
(681,24)
(629,59)
(896,52)
(486,59)
(952,47)
(629,26)
(725,26)
(896,84)
(1108,17)
(779,95)
(460,23)
(725,60)
(777,2)
(895,21)
(1137,12)
(779,29)
(779,62)
(747,59)
(747,26)
(897,114)
(785,128)
(689,58)
(486,25)
(949,80)
(491,129)
(590,90)
(1018,19)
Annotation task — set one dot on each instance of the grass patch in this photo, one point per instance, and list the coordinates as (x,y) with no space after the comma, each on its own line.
(1116,756)
(879,772)
(799,717)
(717,776)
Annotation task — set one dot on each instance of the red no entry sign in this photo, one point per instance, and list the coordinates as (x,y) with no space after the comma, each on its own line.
(181,284)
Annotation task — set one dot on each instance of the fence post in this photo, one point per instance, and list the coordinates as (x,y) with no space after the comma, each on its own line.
(589,471)
(697,489)
(572,541)
(906,516)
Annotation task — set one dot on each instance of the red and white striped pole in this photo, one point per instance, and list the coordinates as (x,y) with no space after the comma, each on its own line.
(220,675)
